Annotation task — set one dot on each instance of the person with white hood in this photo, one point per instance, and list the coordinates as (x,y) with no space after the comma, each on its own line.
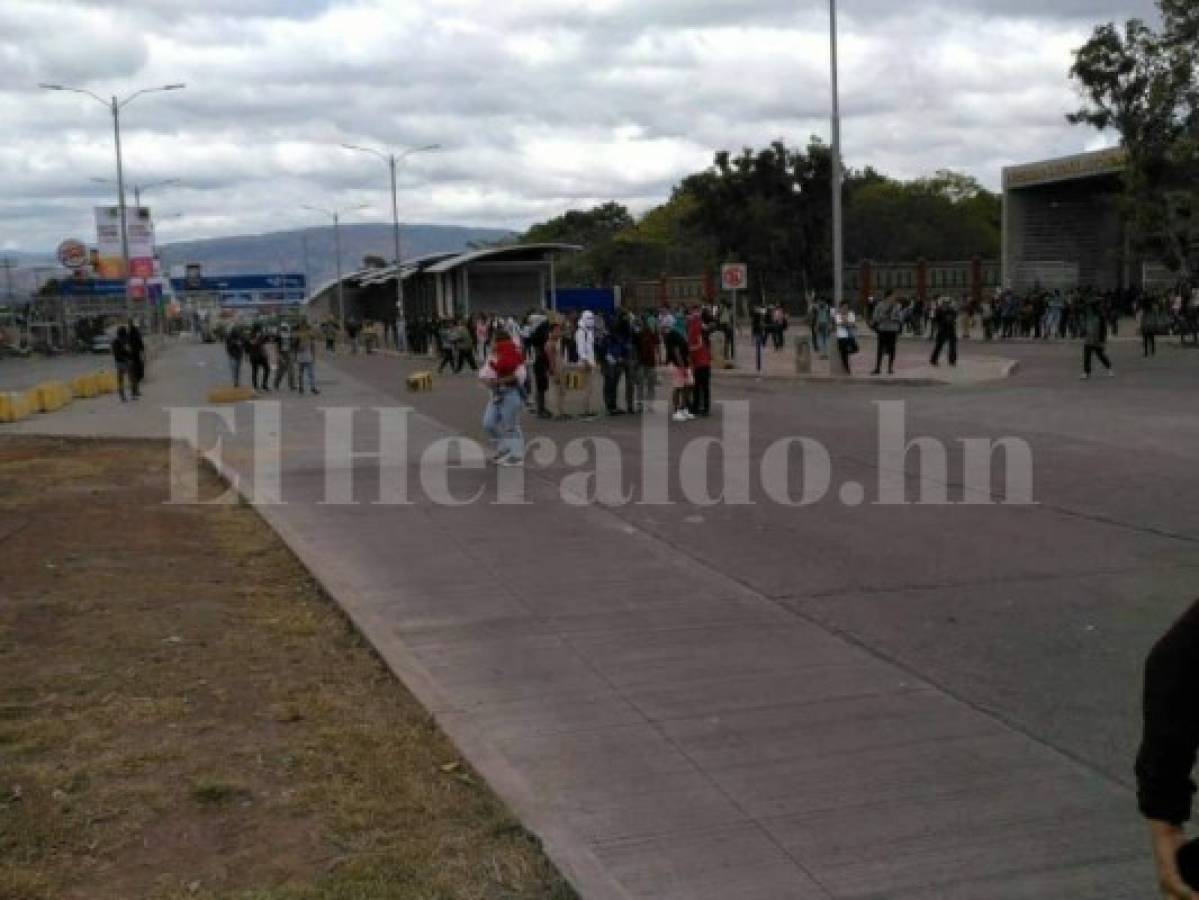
(585,346)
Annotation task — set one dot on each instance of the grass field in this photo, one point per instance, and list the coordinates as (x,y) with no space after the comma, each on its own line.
(183,713)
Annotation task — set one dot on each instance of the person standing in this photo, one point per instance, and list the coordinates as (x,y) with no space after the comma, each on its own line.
(122,358)
(945,327)
(235,348)
(615,354)
(137,366)
(1149,325)
(644,358)
(329,330)
(886,324)
(287,358)
(681,379)
(845,324)
(259,364)
(464,347)
(305,355)
(700,353)
(585,350)
(539,340)
(501,419)
(1169,744)
(1095,340)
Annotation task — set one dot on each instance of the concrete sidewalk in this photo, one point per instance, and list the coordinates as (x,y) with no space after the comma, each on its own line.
(668,731)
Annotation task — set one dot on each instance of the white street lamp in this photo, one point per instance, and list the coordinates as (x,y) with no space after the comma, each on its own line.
(392,159)
(115,106)
(335,215)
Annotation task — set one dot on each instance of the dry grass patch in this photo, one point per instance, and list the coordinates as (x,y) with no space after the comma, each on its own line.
(184,715)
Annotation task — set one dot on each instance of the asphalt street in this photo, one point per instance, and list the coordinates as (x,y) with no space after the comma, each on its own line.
(1040,616)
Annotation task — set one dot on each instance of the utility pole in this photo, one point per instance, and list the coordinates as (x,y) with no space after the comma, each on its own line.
(8,265)
(835,365)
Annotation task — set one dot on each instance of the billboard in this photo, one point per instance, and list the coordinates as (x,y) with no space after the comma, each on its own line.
(249,291)
(139,227)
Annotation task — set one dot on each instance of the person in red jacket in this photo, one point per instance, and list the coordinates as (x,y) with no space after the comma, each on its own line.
(504,373)
(700,349)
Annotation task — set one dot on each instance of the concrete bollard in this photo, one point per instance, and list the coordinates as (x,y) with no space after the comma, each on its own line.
(803,354)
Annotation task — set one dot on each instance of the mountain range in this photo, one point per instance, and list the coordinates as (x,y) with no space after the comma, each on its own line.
(310,250)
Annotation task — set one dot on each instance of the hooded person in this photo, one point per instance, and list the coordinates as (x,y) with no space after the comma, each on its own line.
(585,348)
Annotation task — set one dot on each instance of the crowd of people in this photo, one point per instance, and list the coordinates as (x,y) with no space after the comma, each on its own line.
(288,353)
(533,364)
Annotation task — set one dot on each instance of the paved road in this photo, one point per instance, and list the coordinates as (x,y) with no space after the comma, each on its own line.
(758,701)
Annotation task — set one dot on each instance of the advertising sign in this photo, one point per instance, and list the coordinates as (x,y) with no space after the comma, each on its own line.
(140,230)
(73,254)
(249,291)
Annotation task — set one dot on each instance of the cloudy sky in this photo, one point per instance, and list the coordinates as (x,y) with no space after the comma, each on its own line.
(540,105)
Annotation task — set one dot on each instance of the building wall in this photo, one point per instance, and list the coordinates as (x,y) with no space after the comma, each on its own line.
(1066,234)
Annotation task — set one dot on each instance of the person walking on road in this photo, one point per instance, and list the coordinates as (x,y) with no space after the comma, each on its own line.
(886,324)
(287,358)
(305,353)
(259,364)
(502,373)
(945,327)
(1169,743)
(235,348)
(122,358)
(329,329)
(1095,342)
(1150,318)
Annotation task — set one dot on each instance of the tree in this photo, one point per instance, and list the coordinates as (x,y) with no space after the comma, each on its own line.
(1141,83)
(371,261)
(770,209)
(947,216)
(596,231)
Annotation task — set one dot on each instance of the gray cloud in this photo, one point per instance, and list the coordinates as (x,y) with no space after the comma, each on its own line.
(540,105)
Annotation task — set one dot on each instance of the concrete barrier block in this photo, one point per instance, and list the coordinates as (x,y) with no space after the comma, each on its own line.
(106,382)
(85,386)
(420,381)
(14,407)
(230,395)
(51,395)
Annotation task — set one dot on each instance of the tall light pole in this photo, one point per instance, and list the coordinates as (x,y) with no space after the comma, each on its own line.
(138,188)
(392,160)
(835,364)
(335,215)
(115,106)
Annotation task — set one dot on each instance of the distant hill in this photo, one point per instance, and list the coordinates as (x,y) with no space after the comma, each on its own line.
(311,250)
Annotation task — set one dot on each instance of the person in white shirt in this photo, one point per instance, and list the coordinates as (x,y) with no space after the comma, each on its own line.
(585,346)
(847,339)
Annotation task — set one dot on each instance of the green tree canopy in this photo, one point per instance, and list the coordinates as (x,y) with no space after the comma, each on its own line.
(1142,84)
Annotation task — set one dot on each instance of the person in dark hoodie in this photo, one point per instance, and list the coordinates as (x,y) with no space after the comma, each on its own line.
(259,364)
(122,358)
(1169,744)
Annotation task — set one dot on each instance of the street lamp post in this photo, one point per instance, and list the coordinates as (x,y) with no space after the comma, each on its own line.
(835,364)
(335,215)
(138,188)
(392,160)
(115,106)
